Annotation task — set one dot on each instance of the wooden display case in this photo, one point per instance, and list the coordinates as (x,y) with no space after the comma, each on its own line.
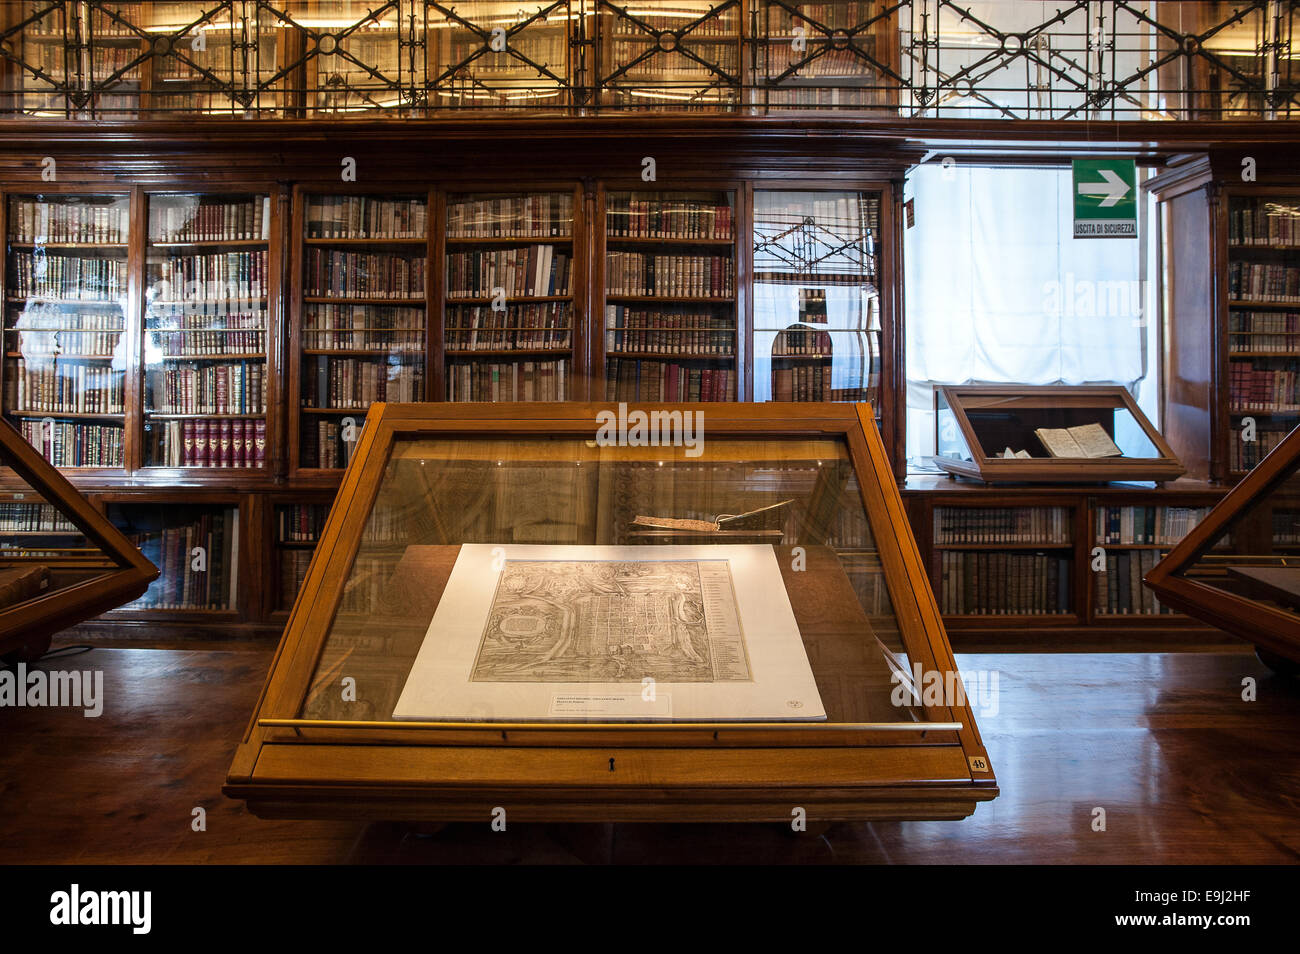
(428,479)
(1239,569)
(61,562)
(975,424)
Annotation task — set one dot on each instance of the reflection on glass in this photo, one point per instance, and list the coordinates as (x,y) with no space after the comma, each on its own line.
(196,548)
(817,333)
(799,496)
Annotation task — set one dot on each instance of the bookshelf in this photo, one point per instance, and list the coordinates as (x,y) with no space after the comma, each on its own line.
(527,66)
(817,327)
(65,324)
(827,55)
(511,299)
(197,548)
(1131,540)
(207,331)
(361,316)
(671,329)
(674,56)
(1263,323)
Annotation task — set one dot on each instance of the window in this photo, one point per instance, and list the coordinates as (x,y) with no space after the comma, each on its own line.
(999,291)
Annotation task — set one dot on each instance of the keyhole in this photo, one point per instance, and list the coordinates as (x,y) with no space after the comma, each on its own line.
(611,765)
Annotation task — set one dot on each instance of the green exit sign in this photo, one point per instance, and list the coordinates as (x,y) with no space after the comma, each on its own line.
(1105,198)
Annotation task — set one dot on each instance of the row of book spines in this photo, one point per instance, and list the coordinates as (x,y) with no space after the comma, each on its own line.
(211,344)
(355,383)
(834,15)
(535,270)
(668,218)
(515,339)
(1142,525)
(1246,455)
(719,55)
(1003,584)
(67,388)
(341,274)
(529,216)
(180,585)
(1119,589)
(293,574)
(364,217)
(33,221)
(330,444)
(304,523)
(1263,222)
(725,22)
(828,62)
(1252,388)
(211,221)
(508,381)
(235,388)
(61,276)
(1258,281)
(804,383)
(68,444)
(1048,525)
(219,443)
(713,344)
(643,379)
(641,273)
(300,523)
(67,345)
(800,342)
(32,517)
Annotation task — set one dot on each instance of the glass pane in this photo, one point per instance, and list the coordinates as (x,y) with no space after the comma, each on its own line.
(817,330)
(792,502)
(674,56)
(670,296)
(1026,427)
(1263,324)
(65,314)
(41,549)
(510,307)
(196,548)
(364,313)
(1257,555)
(500,54)
(207,330)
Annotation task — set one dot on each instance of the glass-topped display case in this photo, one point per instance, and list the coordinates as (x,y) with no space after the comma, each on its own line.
(1239,568)
(61,561)
(997,432)
(704,611)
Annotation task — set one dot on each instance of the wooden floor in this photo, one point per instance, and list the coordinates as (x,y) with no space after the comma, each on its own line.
(1185,770)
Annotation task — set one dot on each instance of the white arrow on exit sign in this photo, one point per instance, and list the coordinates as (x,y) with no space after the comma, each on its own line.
(1114,188)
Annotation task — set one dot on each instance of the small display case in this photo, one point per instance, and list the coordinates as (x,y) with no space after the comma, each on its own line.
(1063,434)
(61,561)
(579,612)
(1239,568)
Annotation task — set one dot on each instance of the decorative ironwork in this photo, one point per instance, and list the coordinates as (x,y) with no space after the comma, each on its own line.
(1022,59)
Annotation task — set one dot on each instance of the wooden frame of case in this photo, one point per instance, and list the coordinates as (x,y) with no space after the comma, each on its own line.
(27,626)
(1266,626)
(1050,469)
(288,766)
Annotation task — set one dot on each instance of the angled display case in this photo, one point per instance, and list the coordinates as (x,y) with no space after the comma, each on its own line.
(1057,433)
(1239,568)
(582,612)
(61,560)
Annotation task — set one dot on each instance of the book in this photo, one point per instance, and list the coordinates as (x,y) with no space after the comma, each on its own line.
(1088,441)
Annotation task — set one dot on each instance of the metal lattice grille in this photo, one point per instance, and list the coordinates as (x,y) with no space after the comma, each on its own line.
(1024,59)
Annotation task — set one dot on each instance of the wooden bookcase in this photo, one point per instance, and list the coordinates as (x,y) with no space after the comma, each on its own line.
(995,534)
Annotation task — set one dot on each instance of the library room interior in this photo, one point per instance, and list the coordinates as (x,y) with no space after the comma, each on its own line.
(708,431)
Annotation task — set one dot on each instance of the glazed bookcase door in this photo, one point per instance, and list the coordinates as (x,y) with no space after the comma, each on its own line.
(207,336)
(66,337)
